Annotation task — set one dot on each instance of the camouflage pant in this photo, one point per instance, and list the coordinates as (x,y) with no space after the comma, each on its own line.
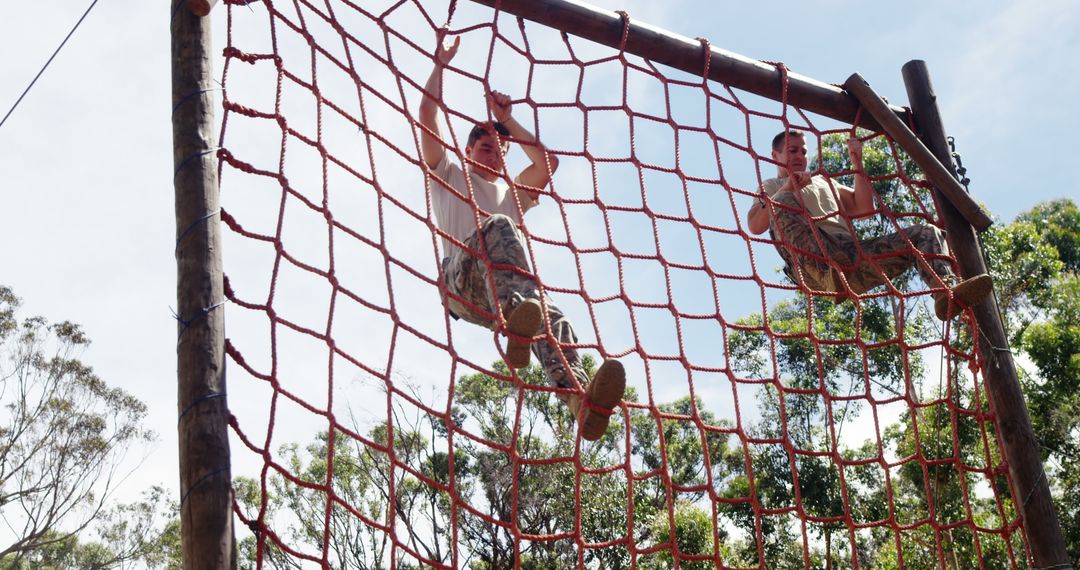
(470,297)
(864,264)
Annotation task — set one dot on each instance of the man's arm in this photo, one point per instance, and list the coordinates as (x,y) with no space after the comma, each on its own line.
(431,146)
(860,201)
(757,219)
(536,175)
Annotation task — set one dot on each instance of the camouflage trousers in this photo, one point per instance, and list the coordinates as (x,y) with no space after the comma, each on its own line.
(863,264)
(498,254)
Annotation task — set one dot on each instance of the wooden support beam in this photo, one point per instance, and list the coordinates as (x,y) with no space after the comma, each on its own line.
(943,179)
(1031,492)
(205,473)
(679,52)
(201,7)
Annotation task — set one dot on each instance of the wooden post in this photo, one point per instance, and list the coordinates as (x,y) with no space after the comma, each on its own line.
(1021,449)
(205,473)
(943,179)
(760,78)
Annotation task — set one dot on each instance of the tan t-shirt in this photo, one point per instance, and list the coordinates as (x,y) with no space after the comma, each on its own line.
(450,200)
(820,200)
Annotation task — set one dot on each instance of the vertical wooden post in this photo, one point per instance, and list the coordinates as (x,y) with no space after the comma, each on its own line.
(205,473)
(1010,411)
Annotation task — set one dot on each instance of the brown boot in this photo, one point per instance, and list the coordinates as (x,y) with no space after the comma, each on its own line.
(522,324)
(594,410)
(965,294)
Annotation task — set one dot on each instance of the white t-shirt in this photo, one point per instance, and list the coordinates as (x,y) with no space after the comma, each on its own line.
(450,198)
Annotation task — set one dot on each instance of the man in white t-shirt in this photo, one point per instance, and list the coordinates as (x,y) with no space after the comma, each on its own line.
(810,217)
(485,270)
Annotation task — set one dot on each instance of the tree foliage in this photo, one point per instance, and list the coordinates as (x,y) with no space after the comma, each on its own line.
(142,534)
(550,487)
(1035,261)
(64,434)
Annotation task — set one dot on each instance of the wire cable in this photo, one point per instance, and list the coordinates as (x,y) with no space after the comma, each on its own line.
(58,48)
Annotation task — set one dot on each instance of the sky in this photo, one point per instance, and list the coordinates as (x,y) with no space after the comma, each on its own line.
(87,224)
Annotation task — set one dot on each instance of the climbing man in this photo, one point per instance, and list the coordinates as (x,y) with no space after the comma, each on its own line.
(485,271)
(809,219)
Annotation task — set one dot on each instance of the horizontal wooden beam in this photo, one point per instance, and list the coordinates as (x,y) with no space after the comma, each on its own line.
(682,53)
(935,172)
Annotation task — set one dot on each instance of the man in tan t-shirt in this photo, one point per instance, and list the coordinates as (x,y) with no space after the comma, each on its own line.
(810,215)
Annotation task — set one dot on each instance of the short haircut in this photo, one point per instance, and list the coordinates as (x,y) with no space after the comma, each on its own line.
(778,140)
(482,129)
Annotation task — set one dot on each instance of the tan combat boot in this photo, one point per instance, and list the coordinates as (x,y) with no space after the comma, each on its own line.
(965,294)
(522,324)
(604,392)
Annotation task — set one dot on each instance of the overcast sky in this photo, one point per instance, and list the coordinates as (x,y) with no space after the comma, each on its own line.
(87,226)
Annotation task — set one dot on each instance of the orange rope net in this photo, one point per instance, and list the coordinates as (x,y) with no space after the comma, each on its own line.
(764,425)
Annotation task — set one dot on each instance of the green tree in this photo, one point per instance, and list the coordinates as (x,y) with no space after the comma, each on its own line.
(142,534)
(692,536)
(677,445)
(526,489)
(681,445)
(1035,262)
(538,490)
(827,356)
(291,513)
(63,435)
